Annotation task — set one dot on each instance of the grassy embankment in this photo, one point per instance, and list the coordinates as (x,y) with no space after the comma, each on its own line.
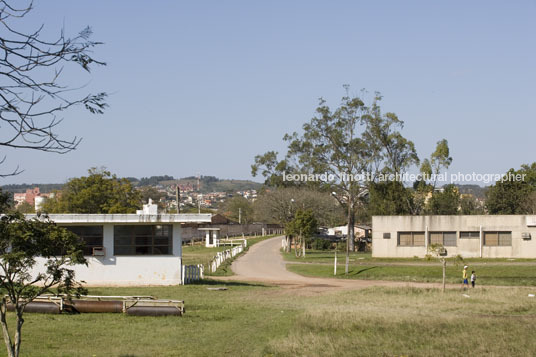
(249,320)
(518,272)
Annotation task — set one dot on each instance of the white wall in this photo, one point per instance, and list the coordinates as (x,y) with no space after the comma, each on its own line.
(517,224)
(129,270)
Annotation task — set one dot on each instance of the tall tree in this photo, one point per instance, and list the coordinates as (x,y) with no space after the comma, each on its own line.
(439,160)
(345,144)
(22,241)
(99,192)
(514,196)
(32,94)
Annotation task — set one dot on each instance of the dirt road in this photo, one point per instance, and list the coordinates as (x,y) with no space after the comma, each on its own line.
(264,263)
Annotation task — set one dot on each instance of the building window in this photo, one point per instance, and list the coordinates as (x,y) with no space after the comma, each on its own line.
(142,240)
(447,239)
(387,236)
(498,239)
(470,235)
(91,235)
(408,239)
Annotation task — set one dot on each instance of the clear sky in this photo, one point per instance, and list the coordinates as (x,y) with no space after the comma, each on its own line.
(204,86)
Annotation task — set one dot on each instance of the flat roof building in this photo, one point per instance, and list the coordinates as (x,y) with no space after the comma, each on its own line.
(128,249)
(485,236)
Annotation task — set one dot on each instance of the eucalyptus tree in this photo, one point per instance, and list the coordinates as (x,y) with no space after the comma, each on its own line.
(440,160)
(343,149)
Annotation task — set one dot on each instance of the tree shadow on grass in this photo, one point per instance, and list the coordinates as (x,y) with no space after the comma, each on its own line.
(225,283)
(362,270)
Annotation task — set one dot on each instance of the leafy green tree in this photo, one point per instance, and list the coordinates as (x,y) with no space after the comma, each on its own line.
(390,198)
(347,142)
(439,160)
(445,202)
(514,196)
(238,208)
(5,201)
(469,205)
(22,241)
(99,192)
(302,226)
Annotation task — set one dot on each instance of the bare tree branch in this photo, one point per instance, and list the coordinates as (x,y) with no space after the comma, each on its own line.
(32,97)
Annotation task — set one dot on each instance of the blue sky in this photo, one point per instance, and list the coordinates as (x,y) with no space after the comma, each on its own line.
(204,86)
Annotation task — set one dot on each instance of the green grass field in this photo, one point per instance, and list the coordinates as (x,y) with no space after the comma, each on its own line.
(199,254)
(249,320)
(519,272)
(325,256)
(508,275)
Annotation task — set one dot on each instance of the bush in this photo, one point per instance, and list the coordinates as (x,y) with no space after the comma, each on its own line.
(319,243)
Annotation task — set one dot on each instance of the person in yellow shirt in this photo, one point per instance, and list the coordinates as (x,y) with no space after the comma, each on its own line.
(465,284)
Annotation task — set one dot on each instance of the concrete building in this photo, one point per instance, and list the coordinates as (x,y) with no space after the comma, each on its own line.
(129,249)
(485,236)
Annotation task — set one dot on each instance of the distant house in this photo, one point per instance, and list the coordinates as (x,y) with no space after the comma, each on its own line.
(32,196)
(219,219)
(360,231)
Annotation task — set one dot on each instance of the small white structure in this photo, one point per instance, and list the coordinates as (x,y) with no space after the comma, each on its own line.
(149,208)
(212,237)
(342,231)
(129,249)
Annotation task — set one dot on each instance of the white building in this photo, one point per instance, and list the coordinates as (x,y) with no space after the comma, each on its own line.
(129,249)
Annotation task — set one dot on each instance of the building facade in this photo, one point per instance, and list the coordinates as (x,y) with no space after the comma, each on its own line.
(129,249)
(485,236)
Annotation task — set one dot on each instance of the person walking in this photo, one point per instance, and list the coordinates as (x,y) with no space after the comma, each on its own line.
(473,278)
(465,283)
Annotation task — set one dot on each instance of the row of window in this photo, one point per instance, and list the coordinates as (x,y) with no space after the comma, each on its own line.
(128,240)
(449,239)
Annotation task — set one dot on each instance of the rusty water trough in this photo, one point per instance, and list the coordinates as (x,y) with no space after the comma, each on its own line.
(42,304)
(130,305)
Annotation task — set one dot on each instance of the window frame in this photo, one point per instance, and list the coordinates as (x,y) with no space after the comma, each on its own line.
(469,232)
(137,244)
(413,233)
(498,239)
(88,247)
(443,238)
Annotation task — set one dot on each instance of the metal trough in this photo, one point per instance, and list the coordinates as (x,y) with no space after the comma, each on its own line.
(111,306)
(130,305)
(154,307)
(42,304)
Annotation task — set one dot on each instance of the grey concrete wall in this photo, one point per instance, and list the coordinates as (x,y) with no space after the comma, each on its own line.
(517,224)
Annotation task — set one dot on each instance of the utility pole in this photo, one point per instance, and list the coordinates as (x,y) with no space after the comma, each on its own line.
(178,198)
(239,215)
